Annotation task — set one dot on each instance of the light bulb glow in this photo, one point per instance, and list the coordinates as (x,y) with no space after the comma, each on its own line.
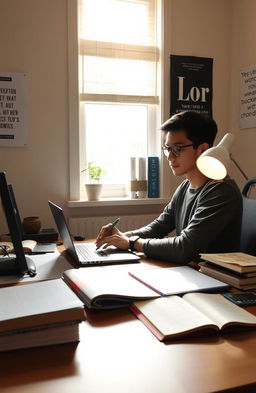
(211,167)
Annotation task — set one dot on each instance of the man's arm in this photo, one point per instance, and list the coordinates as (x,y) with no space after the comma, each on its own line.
(216,208)
(159,228)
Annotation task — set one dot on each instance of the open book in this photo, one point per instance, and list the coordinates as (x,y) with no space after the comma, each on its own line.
(106,289)
(171,318)
(99,288)
(30,246)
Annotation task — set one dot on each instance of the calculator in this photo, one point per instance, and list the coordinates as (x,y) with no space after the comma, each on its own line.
(242,299)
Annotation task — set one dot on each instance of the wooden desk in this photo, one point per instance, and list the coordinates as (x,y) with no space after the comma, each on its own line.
(118,354)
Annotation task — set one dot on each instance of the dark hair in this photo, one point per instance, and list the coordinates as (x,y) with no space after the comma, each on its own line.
(199,129)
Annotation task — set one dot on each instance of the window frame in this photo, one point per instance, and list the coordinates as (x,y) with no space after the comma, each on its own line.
(76,135)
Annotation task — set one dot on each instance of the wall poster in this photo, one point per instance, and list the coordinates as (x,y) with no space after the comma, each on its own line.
(13,109)
(191,84)
(248,97)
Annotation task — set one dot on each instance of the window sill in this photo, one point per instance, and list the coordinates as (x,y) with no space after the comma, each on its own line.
(118,202)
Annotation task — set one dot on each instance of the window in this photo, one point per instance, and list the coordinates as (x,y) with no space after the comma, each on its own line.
(118,86)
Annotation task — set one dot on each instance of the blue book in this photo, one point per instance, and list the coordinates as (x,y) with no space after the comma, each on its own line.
(153,177)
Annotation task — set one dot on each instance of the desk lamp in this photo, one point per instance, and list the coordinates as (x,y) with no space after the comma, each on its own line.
(215,162)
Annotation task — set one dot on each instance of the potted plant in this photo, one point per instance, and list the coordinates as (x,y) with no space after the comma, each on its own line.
(94,187)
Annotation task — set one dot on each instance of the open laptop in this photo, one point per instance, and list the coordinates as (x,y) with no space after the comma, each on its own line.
(86,254)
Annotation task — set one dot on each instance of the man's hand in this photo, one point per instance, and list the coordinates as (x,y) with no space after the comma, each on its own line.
(116,238)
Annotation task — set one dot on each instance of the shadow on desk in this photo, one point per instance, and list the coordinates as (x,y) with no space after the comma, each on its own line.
(37,364)
(104,318)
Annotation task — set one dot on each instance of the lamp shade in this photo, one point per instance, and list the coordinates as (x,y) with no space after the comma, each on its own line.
(214,162)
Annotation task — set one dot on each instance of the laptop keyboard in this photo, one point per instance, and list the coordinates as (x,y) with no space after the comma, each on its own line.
(88,252)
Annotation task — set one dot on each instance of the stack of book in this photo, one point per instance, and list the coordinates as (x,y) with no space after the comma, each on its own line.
(236,269)
(39,314)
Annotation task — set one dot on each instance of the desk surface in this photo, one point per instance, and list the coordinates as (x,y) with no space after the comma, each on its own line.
(117,353)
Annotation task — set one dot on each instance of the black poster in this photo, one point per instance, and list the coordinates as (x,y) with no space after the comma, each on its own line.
(191,84)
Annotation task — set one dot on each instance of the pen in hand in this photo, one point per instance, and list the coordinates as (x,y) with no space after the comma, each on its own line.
(114,223)
(110,227)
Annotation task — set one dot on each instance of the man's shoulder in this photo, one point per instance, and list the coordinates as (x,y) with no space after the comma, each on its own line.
(184,185)
(179,193)
(226,187)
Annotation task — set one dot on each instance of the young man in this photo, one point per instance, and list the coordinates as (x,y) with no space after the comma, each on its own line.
(206,214)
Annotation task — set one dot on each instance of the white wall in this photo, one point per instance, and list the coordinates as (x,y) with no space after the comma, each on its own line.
(34,40)
(243,55)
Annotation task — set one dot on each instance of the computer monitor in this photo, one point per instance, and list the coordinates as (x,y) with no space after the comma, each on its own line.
(17,214)
(20,264)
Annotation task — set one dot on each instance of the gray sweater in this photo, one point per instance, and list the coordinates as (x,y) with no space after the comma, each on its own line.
(206,220)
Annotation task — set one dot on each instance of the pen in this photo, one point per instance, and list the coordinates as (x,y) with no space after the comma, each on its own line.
(111,226)
(114,223)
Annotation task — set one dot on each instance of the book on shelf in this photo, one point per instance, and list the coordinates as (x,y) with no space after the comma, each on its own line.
(153,177)
(194,314)
(39,314)
(29,246)
(236,261)
(106,289)
(240,281)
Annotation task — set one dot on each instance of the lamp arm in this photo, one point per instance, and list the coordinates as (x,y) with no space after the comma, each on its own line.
(238,167)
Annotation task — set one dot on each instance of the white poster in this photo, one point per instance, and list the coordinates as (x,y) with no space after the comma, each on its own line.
(248,97)
(13,109)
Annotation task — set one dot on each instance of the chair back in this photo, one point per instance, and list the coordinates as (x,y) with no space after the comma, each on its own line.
(248,228)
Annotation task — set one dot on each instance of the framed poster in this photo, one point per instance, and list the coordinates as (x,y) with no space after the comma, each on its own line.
(13,109)
(191,84)
(248,97)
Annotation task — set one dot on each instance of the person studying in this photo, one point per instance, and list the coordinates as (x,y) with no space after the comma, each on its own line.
(205,213)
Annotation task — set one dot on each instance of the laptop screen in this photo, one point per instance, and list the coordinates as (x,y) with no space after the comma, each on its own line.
(62,226)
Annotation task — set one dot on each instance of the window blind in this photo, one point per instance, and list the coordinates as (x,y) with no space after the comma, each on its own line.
(118,54)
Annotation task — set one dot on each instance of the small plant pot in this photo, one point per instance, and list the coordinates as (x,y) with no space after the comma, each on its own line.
(93,191)
(31,224)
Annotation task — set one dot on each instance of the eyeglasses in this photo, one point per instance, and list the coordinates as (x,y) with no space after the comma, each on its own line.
(175,150)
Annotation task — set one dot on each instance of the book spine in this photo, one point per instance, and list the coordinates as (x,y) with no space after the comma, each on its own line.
(146,322)
(76,288)
(153,177)
(133,174)
(142,175)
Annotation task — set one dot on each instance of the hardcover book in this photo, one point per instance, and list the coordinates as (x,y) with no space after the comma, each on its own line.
(37,314)
(236,261)
(153,177)
(241,281)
